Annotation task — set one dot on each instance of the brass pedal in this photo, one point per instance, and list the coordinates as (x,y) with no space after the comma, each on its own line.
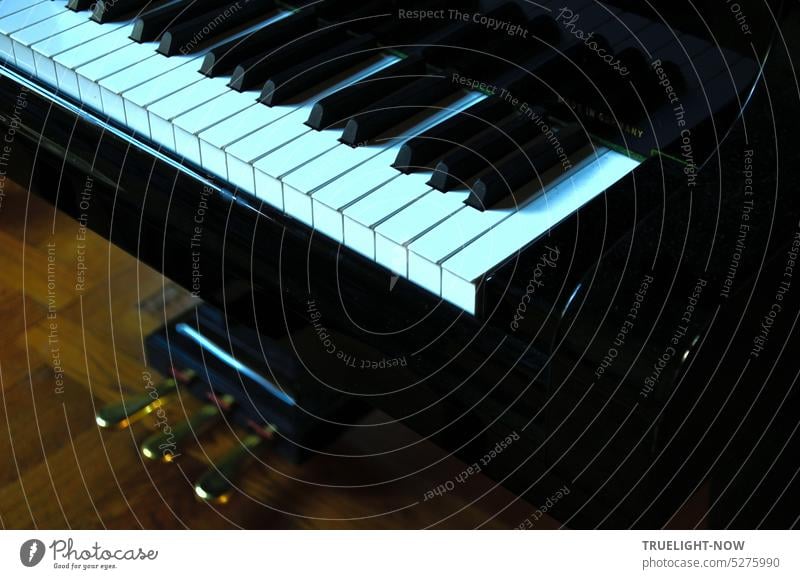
(163,444)
(216,484)
(125,413)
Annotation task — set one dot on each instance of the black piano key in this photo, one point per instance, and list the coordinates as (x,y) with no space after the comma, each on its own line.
(155,20)
(358,17)
(424,150)
(643,85)
(556,74)
(485,148)
(293,81)
(341,10)
(257,70)
(395,108)
(355,98)
(524,166)
(189,36)
(108,10)
(421,37)
(221,60)
(468,46)
(80,5)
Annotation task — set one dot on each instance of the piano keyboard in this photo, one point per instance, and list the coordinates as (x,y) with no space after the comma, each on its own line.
(210,95)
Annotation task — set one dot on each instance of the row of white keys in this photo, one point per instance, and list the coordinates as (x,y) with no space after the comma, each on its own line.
(360,200)
(144,71)
(78,44)
(323,207)
(394,235)
(44,52)
(23,40)
(361,218)
(16,19)
(240,154)
(462,273)
(152,107)
(426,252)
(67,62)
(151,67)
(9,7)
(188,126)
(248,121)
(319,191)
(90,75)
(161,113)
(326,170)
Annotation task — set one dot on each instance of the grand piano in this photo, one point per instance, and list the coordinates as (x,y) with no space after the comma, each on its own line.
(567,231)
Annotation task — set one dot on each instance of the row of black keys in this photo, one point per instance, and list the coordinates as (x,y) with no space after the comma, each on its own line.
(462,151)
(293,55)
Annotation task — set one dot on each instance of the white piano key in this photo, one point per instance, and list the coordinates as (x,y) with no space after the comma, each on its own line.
(24,39)
(6,49)
(20,19)
(240,155)
(393,235)
(463,271)
(363,216)
(148,69)
(64,39)
(8,7)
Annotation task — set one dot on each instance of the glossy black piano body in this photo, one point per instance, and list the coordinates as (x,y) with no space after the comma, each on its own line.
(614,414)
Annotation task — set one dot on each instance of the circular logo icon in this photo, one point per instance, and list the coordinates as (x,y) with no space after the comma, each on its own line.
(32,552)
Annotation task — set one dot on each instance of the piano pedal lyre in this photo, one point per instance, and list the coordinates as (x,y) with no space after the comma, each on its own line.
(163,444)
(121,415)
(216,484)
